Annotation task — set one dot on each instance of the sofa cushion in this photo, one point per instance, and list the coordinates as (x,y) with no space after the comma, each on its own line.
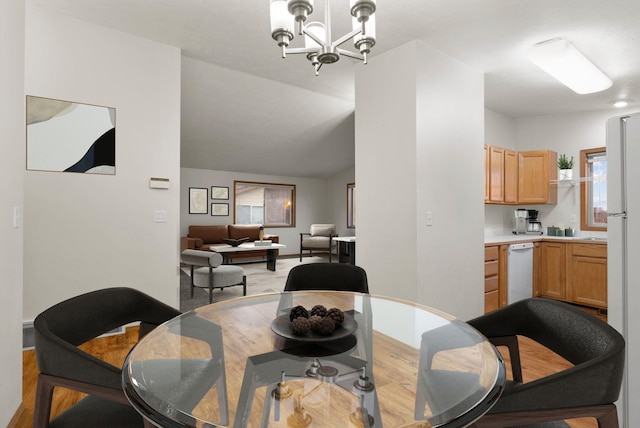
(211,234)
(251,231)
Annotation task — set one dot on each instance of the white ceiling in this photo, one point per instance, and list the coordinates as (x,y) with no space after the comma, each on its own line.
(276,117)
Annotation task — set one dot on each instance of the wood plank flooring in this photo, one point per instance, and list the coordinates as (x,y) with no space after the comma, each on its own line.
(536,362)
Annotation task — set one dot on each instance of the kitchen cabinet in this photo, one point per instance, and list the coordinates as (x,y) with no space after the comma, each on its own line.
(501,175)
(537,177)
(587,274)
(495,277)
(552,270)
(487,172)
(510,176)
(491,278)
(575,272)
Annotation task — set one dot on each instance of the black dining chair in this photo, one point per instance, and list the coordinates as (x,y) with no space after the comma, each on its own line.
(588,389)
(59,331)
(327,276)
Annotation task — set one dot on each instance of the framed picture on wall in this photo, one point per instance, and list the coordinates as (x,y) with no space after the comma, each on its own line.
(67,136)
(219,209)
(219,192)
(198,198)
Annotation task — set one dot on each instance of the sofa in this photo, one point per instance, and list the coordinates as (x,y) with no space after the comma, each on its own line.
(205,237)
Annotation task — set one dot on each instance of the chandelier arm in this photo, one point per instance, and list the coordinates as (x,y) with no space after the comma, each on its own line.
(350,54)
(313,36)
(345,38)
(294,51)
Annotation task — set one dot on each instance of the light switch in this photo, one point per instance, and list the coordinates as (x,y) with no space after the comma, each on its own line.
(429,218)
(17,217)
(160,216)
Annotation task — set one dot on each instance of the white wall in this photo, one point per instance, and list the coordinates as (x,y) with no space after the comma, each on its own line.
(85,232)
(313,204)
(564,133)
(12,160)
(417,109)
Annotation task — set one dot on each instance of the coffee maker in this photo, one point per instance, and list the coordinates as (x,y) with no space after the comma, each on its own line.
(533,224)
(520,221)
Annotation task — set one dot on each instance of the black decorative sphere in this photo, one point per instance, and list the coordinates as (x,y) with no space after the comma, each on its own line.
(336,315)
(319,310)
(300,326)
(297,312)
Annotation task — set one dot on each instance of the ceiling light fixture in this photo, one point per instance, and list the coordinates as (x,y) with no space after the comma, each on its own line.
(620,103)
(564,62)
(288,17)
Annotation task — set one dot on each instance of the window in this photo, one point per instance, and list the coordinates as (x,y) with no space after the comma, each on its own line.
(269,204)
(593,189)
(351,205)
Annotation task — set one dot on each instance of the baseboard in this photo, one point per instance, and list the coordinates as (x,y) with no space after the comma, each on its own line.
(28,341)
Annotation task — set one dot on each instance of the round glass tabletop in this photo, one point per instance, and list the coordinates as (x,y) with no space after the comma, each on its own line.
(400,364)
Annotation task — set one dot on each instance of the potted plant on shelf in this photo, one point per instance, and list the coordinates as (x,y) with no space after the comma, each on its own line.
(565,165)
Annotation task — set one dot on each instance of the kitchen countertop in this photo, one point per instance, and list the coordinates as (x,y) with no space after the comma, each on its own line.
(510,239)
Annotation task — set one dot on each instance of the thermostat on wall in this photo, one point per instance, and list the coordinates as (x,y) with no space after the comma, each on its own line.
(158,183)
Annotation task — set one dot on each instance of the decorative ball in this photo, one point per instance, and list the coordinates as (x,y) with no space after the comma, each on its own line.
(313,321)
(319,310)
(297,312)
(300,326)
(325,326)
(336,315)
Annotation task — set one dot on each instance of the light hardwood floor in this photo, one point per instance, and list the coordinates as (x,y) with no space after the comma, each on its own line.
(536,362)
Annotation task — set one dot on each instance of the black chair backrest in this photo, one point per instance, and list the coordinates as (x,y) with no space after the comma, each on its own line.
(327,276)
(595,348)
(61,328)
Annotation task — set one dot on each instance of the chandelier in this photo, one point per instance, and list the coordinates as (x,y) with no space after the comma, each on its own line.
(288,17)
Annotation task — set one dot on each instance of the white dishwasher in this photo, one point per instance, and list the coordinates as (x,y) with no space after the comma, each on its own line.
(520,272)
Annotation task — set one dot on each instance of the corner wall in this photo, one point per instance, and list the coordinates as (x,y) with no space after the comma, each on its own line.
(419,149)
(12,161)
(85,232)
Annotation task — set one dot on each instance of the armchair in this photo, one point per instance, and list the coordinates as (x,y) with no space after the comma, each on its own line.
(319,239)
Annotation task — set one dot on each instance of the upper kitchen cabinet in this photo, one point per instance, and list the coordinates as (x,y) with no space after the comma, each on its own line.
(501,175)
(537,175)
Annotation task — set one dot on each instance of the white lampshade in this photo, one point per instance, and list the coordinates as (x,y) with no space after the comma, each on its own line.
(280,16)
(564,62)
(317,28)
(370,28)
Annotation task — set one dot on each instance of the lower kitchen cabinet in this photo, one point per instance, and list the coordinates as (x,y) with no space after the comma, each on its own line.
(574,272)
(587,274)
(495,277)
(552,275)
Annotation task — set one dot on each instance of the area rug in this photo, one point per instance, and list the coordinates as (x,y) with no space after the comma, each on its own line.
(259,280)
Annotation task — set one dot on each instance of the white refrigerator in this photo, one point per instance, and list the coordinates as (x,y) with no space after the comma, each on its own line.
(623,236)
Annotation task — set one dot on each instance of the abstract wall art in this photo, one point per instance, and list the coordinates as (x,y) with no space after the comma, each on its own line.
(66,136)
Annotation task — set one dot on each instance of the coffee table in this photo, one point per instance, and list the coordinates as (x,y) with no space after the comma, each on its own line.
(271,249)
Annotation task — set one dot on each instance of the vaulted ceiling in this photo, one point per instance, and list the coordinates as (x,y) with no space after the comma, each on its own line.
(246,109)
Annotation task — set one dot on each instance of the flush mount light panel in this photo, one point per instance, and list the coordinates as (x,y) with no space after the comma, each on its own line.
(564,62)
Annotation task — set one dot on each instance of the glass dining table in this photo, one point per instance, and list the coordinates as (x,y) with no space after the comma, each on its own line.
(242,363)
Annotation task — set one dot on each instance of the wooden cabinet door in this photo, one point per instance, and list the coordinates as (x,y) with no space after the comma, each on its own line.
(510,177)
(487,172)
(537,177)
(536,269)
(552,270)
(496,176)
(491,278)
(587,274)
